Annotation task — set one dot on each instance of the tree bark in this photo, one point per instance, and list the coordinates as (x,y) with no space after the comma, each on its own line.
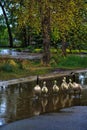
(8,26)
(24,37)
(63,48)
(45,23)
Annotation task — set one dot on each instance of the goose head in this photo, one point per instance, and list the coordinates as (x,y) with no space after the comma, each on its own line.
(64,82)
(64,78)
(73,76)
(70,80)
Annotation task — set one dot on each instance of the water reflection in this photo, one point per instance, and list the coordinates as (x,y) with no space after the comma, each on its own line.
(36,107)
(63,100)
(3,103)
(44,103)
(16,104)
(17,101)
(81,78)
(55,101)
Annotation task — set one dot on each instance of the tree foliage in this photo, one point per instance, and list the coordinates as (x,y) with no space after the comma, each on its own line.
(2,5)
(63,20)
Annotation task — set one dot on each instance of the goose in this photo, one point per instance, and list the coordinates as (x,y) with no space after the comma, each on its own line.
(76,87)
(44,88)
(70,85)
(64,85)
(55,87)
(37,88)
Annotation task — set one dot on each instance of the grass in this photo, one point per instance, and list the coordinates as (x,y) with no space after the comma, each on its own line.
(23,73)
(11,69)
(73,61)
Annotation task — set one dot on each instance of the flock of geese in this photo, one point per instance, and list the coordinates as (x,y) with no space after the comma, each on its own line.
(71,86)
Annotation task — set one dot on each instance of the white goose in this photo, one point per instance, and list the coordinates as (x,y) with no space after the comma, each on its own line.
(70,84)
(64,85)
(55,87)
(76,87)
(44,88)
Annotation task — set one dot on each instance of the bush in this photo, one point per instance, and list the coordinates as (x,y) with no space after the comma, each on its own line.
(13,63)
(25,64)
(7,67)
(31,48)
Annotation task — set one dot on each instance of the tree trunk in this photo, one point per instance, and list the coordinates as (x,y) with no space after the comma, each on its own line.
(24,37)
(63,48)
(45,22)
(29,36)
(9,29)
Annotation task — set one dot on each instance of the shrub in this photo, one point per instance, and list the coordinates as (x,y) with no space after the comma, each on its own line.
(25,64)
(7,67)
(13,63)
(53,62)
